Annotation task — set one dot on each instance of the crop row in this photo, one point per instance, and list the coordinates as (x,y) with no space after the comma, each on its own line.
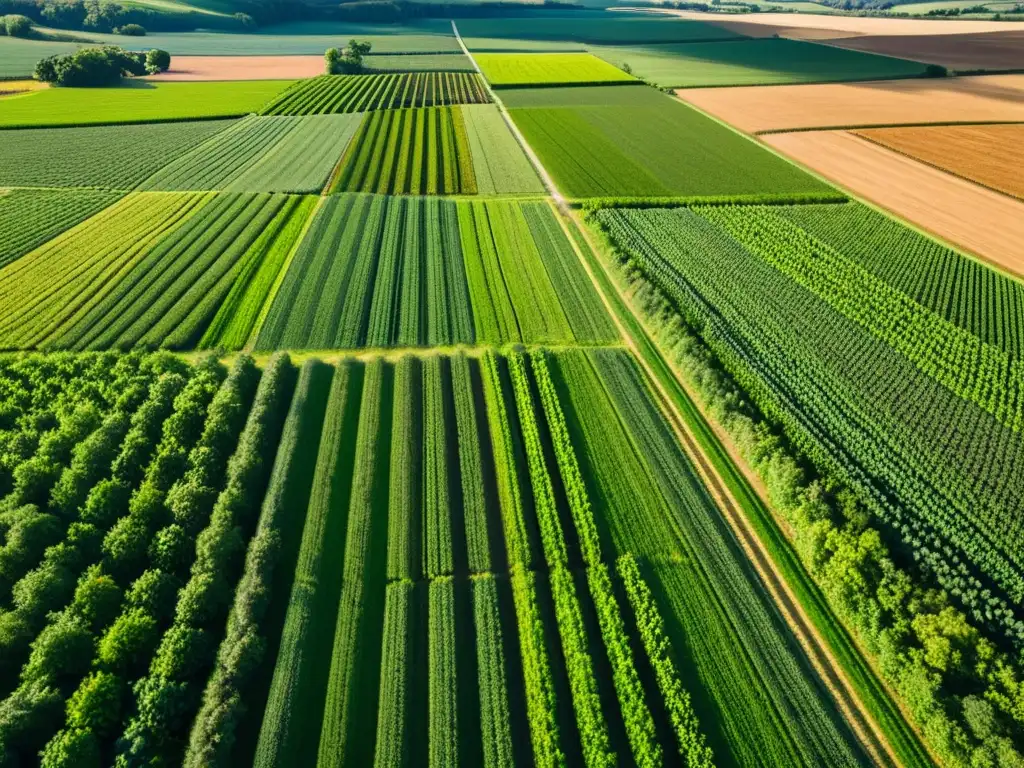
(261,154)
(409,151)
(318,572)
(152,270)
(837,379)
(30,217)
(333,94)
(377,271)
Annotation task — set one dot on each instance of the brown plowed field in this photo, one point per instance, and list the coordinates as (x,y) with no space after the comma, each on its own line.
(242,68)
(991,155)
(961,53)
(988,98)
(979,220)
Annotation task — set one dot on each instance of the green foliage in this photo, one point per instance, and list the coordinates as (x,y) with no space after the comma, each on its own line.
(347,61)
(157,61)
(331,94)
(130,30)
(89,67)
(16,25)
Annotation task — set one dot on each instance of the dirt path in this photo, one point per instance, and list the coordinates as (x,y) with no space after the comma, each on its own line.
(814,646)
(549,183)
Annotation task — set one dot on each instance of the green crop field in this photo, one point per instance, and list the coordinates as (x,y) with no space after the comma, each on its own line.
(109,157)
(488,406)
(381,271)
(597,28)
(138,102)
(499,164)
(658,147)
(262,154)
(409,151)
(754,62)
(511,69)
(18,57)
(410,62)
(331,94)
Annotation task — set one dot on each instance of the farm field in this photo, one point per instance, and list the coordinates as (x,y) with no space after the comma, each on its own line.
(109,157)
(511,628)
(419,271)
(753,62)
(30,217)
(999,50)
(499,164)
(974,218)
(138,102)
(240,68)
(708,262)
(509,69)
(985,154)
(488,406)
(262,154)
(18,57)
(330,94)
(409,151)
(988,98)
(657,148)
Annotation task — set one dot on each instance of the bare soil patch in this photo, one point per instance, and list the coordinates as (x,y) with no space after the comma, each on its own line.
(960,52)
(991,155)
(809,26)
(986,98)
(976,219)
(242,68)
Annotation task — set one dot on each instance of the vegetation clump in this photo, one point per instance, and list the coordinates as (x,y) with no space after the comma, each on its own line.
(98,67)
(346,61)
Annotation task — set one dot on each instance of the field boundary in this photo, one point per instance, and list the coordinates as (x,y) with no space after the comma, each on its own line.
(869,126)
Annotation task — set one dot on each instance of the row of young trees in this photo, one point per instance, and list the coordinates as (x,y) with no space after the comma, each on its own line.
(97,67)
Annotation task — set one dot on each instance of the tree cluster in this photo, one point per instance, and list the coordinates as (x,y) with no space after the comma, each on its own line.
(15,25)
(102,16)
(98,67)
(346,61)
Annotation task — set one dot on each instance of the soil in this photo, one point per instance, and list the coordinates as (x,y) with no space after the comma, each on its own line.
(810,26)
(985,98)
(976,219)
(990,155)
(958,53)
(242,68)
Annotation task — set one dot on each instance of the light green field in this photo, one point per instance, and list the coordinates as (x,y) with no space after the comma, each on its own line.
(505,69)
(138,102)
(173,6)
(754,62)
(503,44)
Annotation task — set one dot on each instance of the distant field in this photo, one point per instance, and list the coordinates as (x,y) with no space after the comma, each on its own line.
(998,98)
(598,28)
(262,154)
(657,147)
(111,157)
(509,44)
(988,154)
(754,62)
(510,69)
(411,62)
(292,39)
(18,58)
(241,68)
(330,94)
(139,102)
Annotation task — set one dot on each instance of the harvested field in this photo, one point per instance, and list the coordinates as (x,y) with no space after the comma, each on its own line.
(960,53)
(242,68)
(18,87)
(822,27)
(981,221)
(989,98)
(987,154)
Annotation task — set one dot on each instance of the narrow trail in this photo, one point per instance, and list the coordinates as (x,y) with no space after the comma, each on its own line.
(549,183)
(814,646)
